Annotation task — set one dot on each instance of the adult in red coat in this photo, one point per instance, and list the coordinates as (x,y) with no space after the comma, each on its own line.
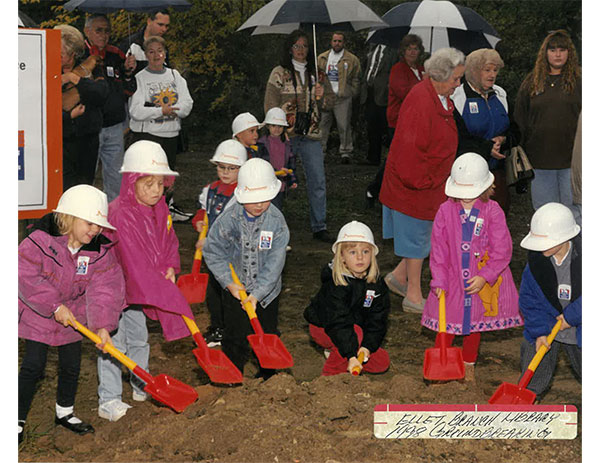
(405,74)
(418,164)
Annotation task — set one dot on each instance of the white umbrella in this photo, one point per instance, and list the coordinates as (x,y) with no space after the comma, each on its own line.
(439,23)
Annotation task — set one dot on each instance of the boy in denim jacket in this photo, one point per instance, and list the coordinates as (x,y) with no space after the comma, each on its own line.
(252,236)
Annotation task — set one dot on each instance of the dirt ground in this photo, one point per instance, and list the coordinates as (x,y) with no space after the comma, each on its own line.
(297,415)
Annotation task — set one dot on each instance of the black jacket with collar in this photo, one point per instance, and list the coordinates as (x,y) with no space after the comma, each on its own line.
(338,308)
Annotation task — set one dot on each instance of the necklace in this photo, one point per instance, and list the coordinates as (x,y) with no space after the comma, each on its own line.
(553,79)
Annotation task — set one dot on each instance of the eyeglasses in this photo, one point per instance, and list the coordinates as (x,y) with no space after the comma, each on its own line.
(102,30)
(228,168)
(297,46)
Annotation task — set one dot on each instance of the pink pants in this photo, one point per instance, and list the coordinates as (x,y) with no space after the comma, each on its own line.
(379,361)
(470,346)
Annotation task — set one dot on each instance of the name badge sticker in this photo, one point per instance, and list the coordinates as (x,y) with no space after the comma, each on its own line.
(564,292)
(266,240)
(369,298)
(473,108)
(110,72)
(82,265)
(478,227)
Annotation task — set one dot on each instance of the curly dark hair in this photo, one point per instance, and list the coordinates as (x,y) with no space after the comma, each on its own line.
(570,72)
(407,41)
(286,52)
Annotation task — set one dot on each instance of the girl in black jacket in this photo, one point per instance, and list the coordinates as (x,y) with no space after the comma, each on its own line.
(348,316)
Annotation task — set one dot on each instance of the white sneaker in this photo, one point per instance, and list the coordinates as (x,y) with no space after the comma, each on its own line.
(113,410)
(139,396)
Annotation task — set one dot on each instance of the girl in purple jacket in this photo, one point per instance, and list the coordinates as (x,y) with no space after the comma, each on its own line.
(67,271)
(471,248)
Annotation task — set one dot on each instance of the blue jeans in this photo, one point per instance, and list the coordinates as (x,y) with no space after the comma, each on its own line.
(110,153)
(311,153)
(553,186)
(131,339)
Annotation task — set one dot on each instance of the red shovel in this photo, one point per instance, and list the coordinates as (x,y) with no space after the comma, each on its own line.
(443,363)
(516,394)
(193,285)
(215,363)
(269,349)
(163,388)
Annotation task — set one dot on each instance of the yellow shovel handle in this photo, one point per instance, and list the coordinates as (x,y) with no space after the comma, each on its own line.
(543,349)
(442,308)
(108,347)
(191,324)
(282,172)
(198,254)
(249,309)
(361,357)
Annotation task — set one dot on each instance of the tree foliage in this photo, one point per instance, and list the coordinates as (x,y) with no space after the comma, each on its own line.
(227,70)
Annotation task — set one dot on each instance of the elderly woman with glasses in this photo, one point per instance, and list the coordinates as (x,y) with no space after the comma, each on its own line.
(418,164)
(483,125)
(293,86)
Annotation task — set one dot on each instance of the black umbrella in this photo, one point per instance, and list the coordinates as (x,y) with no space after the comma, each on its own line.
(439,23)
(26,21)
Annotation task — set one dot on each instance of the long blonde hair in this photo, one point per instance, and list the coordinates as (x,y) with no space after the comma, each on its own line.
(64,222)
(571,71)
(339,268)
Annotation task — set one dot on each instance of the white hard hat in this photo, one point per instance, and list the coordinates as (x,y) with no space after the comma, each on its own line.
(242,122)
(355,231)
(230,152)
(146,157)
(87,203)
(551,225)
(469,177)
(256,182)
(276,116)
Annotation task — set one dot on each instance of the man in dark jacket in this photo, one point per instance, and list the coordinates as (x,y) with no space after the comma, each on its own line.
(117,71)
(157,23)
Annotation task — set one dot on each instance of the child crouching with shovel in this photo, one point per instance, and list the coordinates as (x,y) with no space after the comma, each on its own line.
(252,236)
(149,254)
(67,270)
(551,291)
(349,315)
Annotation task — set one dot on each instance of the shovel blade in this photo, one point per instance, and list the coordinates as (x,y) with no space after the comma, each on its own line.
(440,366)
(193,287)
(270,351)
(511,394)
(217,366)
(171,392)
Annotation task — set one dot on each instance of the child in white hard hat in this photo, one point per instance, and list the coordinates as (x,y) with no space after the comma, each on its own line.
(252,236)
(149,254)
(67,270)
(550,291)
(279,147)
(471,249)
(229,156)
(349,314)
(245,130)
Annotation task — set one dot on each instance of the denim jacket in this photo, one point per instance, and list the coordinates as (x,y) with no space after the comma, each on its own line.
(256,250)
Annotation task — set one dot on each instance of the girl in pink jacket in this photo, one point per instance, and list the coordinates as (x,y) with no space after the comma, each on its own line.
(471,248)
(148,251)
(67,271)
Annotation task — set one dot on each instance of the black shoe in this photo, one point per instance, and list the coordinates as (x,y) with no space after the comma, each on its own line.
(265,373)
(178,214)
(78,428)
(213,336)
(322,235)
(345,159)
(369,200)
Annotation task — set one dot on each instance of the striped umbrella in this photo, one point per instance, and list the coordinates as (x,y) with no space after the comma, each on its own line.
(439,23)
(284,16)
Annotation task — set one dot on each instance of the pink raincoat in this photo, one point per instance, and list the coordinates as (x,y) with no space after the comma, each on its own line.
(147,246)
(90,283)
(448,249)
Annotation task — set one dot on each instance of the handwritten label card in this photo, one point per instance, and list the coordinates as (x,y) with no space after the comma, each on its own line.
(469,421)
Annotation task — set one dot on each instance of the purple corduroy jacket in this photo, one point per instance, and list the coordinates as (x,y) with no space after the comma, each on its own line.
(445,263)
(147,246)
(49,275)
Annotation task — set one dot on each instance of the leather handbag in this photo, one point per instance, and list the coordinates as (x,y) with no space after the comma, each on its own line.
(518,167)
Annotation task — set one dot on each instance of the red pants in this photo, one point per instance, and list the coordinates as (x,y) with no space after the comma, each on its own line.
(470,347)
(379,361)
